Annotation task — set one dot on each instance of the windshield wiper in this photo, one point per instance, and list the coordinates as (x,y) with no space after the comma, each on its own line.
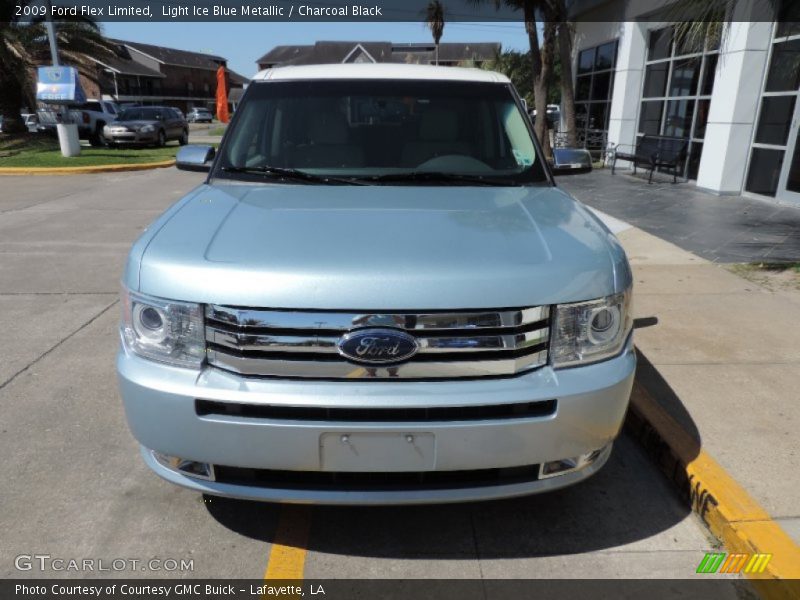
(293,175)
(442,177)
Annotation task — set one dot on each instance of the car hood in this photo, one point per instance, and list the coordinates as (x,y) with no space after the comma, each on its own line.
(377,248)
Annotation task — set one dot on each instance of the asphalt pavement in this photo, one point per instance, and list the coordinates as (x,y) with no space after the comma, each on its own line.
(74,485)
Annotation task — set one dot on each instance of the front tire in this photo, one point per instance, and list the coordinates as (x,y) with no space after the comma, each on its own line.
(96,139)
(162,139)
(184,139)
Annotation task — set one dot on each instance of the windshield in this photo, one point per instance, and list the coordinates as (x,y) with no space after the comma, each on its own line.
(381,131)
(139,114)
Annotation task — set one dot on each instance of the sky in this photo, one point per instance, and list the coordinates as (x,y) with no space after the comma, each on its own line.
(243,43)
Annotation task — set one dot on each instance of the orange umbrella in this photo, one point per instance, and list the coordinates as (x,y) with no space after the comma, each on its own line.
(222,96)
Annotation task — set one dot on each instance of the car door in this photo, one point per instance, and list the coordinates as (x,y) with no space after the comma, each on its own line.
(181,123)
(171,123)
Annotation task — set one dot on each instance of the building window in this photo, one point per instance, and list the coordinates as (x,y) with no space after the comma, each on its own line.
(676,96)
(594,85)
(775,131)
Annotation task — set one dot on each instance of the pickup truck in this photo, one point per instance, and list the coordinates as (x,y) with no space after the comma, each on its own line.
(378,295)
(90,117)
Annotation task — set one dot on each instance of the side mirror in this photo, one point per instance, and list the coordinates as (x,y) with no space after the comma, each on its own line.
(195,158)
(568,161)
(524,104)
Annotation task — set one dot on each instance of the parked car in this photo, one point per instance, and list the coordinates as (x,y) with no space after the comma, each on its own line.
(147,125)
(31,122)
(552,114)
(199,115)
(378,295)
(91,117)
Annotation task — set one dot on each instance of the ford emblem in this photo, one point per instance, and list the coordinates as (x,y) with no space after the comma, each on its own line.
(377,346)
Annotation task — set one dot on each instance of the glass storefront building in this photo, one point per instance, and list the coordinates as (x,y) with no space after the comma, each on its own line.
(732,96)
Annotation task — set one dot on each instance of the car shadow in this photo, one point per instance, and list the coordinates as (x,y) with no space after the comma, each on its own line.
(627,501)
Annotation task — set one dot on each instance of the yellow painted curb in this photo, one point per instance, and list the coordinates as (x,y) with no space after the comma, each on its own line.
(86,169)
(728,510)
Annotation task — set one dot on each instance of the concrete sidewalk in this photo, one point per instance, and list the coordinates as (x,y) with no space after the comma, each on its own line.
(724,353)
(726,229)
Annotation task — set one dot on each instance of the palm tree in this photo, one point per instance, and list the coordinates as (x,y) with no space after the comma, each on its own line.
(565,33)
(23,46)
(707,20)
(434,17)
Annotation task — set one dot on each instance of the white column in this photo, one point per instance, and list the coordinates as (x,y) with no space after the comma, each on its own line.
(626,96)
(734,105)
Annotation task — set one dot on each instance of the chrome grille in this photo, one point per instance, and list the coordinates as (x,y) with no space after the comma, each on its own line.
(303,344)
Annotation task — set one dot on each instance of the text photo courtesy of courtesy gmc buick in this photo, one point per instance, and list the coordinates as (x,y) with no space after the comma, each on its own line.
(377,296)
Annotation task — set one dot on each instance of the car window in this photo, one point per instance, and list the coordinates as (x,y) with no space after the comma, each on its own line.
(140,114)
(381,127)
(95,106)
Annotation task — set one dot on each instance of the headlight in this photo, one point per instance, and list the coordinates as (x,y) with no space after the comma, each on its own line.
(587,332)
(147,129)
(163,330)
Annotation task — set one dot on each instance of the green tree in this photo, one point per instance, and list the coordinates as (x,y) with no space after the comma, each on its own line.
(24,45)
(517,67)
(434,19)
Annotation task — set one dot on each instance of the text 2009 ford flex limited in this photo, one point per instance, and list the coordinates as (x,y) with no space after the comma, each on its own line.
(378,296)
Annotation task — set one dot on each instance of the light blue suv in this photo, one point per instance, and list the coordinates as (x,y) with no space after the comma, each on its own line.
(379,295)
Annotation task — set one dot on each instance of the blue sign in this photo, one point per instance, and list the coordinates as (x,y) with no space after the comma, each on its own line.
(59,85)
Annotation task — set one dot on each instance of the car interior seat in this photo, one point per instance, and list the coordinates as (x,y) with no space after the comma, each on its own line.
(328,144)
(438,136)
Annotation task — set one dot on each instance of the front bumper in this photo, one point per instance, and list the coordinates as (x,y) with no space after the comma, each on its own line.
(130,137)
(160,405)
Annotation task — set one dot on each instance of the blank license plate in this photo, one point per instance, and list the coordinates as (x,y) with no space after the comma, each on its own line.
(387,452)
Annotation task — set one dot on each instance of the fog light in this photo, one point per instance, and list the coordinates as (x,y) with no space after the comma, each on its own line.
(198,470)
(568,465)
(557,467)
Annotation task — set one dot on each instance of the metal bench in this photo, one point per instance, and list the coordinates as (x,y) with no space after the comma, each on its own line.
(653,152)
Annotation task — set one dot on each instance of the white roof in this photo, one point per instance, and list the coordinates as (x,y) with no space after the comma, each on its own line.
(379,71)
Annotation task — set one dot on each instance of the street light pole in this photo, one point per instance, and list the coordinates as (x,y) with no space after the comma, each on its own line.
(51,34)
(67,138)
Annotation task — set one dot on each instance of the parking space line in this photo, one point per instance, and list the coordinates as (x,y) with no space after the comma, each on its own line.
(287,555)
